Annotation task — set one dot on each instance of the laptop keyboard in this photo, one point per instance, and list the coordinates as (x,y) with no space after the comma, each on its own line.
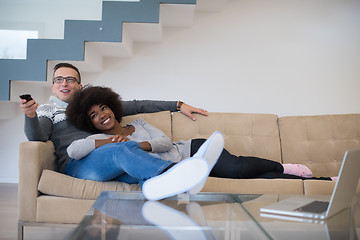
(314,207)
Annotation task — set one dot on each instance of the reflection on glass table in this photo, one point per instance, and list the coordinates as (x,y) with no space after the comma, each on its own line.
(128,215)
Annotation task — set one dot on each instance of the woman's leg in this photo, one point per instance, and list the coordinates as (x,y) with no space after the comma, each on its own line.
(112,160)
(126,178)
(231,166)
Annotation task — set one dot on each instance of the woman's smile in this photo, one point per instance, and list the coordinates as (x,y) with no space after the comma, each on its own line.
(106,121)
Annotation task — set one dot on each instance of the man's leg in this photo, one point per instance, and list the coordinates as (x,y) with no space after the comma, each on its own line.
(238,167)
(272,175)
(180,178)
(210,150)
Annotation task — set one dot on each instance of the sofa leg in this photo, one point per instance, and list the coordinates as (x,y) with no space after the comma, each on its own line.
(20,231)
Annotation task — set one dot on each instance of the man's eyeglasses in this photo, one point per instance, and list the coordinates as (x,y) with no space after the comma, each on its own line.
(68,79)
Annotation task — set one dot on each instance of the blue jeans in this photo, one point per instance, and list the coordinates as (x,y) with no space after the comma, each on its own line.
(123,162)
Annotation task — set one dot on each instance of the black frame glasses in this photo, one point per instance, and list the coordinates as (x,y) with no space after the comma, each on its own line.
(68,79)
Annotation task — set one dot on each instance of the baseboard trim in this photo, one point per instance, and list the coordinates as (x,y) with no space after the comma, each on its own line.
(9,180)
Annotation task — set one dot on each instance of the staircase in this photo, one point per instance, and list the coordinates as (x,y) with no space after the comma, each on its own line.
(86,42)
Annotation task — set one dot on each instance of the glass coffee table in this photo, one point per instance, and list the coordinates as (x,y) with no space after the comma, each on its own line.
(343,225)
(128,215)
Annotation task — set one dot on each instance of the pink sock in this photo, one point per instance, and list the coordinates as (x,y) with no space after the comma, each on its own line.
(297,170)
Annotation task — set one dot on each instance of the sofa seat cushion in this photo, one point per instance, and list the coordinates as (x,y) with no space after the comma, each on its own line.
(316,187)
(58,184)
(51,209)
(254,186)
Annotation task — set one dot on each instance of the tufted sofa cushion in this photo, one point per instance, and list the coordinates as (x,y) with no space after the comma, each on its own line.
(245,134)
(319,141)
(161,120)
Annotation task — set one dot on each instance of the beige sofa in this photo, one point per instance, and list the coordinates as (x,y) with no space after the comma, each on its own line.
(316,141)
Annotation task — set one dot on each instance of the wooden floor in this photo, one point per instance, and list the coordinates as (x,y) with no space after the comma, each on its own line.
(9,219)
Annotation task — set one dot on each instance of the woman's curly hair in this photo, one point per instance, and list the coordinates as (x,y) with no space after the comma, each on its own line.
(84,99)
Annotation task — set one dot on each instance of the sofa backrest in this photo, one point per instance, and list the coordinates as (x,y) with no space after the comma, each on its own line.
(319,141)
(316,141)
(161,120)
(245,134)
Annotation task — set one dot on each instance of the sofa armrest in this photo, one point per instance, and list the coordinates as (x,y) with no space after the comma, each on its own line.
(34,157)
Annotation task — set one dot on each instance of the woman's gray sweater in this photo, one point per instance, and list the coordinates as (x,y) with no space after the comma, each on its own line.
(144,132)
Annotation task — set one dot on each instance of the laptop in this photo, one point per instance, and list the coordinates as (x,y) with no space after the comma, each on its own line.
(341,198)
(341,226)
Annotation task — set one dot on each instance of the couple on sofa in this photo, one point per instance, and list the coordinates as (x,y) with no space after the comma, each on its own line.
(99,110)
(160,176)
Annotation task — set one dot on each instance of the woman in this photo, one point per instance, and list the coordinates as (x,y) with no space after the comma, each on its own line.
(98,110)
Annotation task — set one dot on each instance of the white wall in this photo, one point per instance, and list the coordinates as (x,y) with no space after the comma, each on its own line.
(283,57)
(297,57)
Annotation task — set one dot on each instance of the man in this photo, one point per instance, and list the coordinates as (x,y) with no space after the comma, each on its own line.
(48,122)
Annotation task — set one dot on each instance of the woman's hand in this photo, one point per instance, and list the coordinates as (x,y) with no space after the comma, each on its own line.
(113,139)
(118,138)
